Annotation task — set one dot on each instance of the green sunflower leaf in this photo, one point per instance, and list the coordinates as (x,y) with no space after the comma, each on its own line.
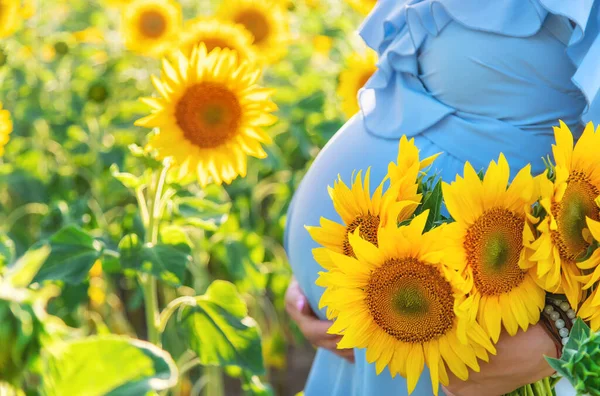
(219,330)
(167,262)
(107,365)
(73,253)
(201,212)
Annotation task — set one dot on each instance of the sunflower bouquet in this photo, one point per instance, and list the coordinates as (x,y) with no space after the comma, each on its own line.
(416,288)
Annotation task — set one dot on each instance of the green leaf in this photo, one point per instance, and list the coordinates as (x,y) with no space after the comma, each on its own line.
(73,254)
(432,201)
(107,365)
(7,250)
(201,212)
(166,262)
(127,179)
(220,332)
(579,332)
(556,364)
(22,273)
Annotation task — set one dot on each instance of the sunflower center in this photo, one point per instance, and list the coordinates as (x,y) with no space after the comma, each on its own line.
(577,204)
(493,245)
(256,23)
(152,24)
(369,225)
(410,300)
(215,42)
(209,114)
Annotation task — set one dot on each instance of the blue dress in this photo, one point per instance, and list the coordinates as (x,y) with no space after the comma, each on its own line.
(468,78)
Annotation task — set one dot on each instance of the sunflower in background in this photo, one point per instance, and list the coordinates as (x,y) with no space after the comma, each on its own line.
(397,300)
(267,22)
(217,34)
(362,6)
(490,232)
(151,26)
(568,201)
(10,17)
(590,308)
(359,69)
(210,115)
(6,128)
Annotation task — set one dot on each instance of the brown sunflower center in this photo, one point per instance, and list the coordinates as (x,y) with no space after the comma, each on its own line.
(209,114)
(493,245)
(577,204)
(368,224)
(152,24)
(215,42)
(410,300)
(256,23)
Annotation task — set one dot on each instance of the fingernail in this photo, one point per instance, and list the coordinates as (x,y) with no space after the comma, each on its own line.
(300,304)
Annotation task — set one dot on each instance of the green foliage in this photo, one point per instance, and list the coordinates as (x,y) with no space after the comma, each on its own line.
(107,365)
(73,253)
(580,360)
(75,177)
(219,330)
(20,336)
(167,262)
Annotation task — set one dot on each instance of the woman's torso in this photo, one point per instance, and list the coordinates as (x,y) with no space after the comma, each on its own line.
(458,90)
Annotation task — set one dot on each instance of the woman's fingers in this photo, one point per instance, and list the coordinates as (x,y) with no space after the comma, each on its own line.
(519,361)
(313,329)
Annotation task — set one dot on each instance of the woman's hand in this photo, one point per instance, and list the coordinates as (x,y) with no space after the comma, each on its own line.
(314,329)
(519,362)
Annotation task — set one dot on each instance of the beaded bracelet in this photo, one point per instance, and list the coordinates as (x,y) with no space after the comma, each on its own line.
(558,318)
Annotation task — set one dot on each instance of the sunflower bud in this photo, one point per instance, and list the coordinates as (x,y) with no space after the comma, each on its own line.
(20,331)
(61,48)
(98,92)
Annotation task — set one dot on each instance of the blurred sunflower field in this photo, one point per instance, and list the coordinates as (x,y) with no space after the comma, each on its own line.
(148,152)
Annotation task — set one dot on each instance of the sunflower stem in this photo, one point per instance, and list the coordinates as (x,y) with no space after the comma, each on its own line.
(148,282)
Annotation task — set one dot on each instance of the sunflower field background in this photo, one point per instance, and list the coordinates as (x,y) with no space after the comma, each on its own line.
(79,260)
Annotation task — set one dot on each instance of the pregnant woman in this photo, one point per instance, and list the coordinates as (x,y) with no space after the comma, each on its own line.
(471,79)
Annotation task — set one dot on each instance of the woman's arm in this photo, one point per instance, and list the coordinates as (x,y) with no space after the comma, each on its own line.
(314,329)
(519,361)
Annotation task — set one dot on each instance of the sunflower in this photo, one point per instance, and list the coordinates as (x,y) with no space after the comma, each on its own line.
(406,171)
(357,208)
(6,127)
(401,301)
(10,17)
(490,232)
(267,22)
(359,69)
(151,26)
(362,6)
(210,115)
(567,200)
(217,34)
(590,308)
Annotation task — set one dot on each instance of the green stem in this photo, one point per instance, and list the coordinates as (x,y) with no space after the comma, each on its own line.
(147,281)
(171,308)
(151,303)
(214,384)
